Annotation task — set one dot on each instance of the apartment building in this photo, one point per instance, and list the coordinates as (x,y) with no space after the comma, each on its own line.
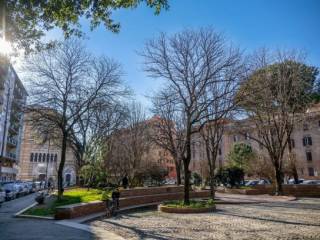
(39,158)
(305,142)
(13,97)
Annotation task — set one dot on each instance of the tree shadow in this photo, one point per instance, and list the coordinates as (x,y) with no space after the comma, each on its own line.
(226,213)
(142,234)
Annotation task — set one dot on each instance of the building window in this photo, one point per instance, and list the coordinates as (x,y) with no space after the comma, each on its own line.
(51,157)
(293,144)
(31,157)
(305,127)
(36,157)
(247,136)
(219,151)
(55,157)
(40,156)
(235,138)
(311,171)
(309,156)
(307,141)
(48,157)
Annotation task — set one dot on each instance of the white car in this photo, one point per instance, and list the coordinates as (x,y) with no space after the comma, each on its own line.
(2,195)
(12,190)
(310,182)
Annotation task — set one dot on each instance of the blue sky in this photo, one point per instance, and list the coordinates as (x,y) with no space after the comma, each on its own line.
(251,24)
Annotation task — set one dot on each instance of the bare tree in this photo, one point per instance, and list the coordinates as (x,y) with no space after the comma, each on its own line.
(168,132)
(128,145)
(65,83)
(275,97)
(94,128)
(189,62)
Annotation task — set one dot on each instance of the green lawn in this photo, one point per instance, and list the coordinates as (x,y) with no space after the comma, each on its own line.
(77,195)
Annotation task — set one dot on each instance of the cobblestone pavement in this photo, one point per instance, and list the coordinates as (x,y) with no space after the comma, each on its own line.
(291,220)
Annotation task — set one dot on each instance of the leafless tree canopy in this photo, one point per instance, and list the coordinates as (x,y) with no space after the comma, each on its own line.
(67,85)
(190,62)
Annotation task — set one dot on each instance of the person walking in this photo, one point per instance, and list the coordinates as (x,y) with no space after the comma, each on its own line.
(125,182)
(115,198)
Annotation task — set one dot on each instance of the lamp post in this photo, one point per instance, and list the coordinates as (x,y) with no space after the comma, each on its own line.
(47,160)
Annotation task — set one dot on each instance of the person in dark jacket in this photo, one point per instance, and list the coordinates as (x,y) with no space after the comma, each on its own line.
(115,198)
(125,182)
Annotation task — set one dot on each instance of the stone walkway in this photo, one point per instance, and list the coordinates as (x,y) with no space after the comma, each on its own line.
(275,220)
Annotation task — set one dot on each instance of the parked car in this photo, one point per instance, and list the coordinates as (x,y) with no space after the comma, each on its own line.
(12,190)
(291,181)
(31,187)
(252,183)
(2,195)
(39,185)
(23,189)
(264,182)
(310,182)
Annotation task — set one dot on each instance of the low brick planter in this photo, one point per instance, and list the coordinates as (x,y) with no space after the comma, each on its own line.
(166,209)
(156,198)
(299,190)
(143,191)
(79,210)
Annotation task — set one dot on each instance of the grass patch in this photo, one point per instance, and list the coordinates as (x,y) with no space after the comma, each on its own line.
(193,204)
(77,195)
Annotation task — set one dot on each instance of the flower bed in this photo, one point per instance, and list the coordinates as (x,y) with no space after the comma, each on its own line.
(193,207)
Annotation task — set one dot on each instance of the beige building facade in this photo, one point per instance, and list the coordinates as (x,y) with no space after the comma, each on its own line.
(39,159)
(305,141)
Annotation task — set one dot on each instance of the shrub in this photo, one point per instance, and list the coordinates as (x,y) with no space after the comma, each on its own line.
(230,176)
(193,204)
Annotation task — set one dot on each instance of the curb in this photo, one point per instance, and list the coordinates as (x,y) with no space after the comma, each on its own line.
(25,209)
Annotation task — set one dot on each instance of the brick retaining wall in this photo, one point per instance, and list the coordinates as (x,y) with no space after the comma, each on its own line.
(79,210)
(145,199)
(299,190)
(150,191)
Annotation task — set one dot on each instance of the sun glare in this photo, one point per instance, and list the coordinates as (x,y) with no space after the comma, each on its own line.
(5,47)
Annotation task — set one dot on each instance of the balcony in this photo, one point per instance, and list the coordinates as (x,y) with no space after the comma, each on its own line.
(14,129)
(11,155)
(12,141)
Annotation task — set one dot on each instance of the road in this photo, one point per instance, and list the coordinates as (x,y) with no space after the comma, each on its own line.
(12,228)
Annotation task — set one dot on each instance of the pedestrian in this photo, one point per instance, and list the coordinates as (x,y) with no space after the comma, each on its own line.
(125,182)
(115,198)
(49,186)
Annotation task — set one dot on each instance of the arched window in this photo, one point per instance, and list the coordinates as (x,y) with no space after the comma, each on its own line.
(51,157)
(55,157)
(48,157)
(31,157)
(36,157)
(40,157)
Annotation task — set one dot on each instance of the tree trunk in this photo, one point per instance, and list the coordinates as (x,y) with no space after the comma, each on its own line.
(295,174)
(278,183)
(178,172)
(61,166)
(186,182)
